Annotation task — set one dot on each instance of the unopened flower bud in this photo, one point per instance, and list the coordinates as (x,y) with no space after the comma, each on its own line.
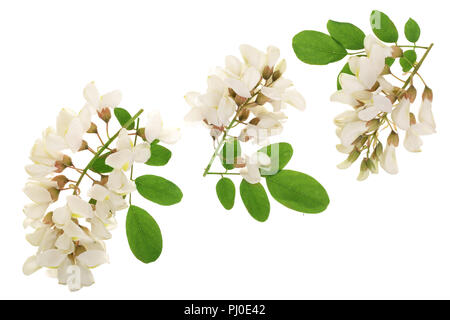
(364,170)
(244,114)
(372,166)
(427,94)
(279,70)
(92,128)
(67,161)
(262,99)
(231,93)
(379,150)
(267,72)
(61,181)
(104,114)
(104,180)
(373,125)
(393,139)
(255,121)
(360,141)
(397,52)
(353,156)
(215,133)
(84,146)
(240,100)
(54,194)
(141,133)
(412,94)
(412,119)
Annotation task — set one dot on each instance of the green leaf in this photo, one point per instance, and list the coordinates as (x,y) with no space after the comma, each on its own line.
(317,48)
(412,31)
(99,165)
(230,151)
(226,192)
(390,61)
(345,69)
(408,60)
(144,235)
(123,116)
(280,154)
(255,200)
(159,155)
(158,190)
(383,27)
(349,35)
(298,191)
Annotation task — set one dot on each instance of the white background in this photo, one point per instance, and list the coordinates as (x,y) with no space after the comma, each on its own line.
(385,238)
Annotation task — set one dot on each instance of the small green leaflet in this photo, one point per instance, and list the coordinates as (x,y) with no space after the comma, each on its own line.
(99,165)
(158,190)
(347,34)
(317,48)
(412,31)
(390,61)
(144,236)
(345,69)
(383,27)
(298,191)
(226,192)
(255,200)
(408,60)
(230,151)
(280,154)
(159,155)
(123,116)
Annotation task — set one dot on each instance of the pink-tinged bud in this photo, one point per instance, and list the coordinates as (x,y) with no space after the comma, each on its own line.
(54,194)
(92,128)
(240,100)
(231,93)
(267,72)
(255,121)
(104,180)
(61,181)
(392,98)
(84,146)
(244,114)
(397,52)
(427,94)
(48,218)
(412,93)
(59,165)
(141,133)
(262,99)
(412,119)
(393,139)
(104,114)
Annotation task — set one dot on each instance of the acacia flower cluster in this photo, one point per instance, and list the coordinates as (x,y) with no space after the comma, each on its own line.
(377,105)
(69,230)
(237,96)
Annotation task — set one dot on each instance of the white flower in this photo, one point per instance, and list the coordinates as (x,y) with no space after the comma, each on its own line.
(244,86)
(258,59)
(96,102)
(426,114)
(71,128)
(38,191)
(119,183)
(155,130)
(401,116)
(251,171)
(389,160)
(351,131)
(127,153)
(377,104)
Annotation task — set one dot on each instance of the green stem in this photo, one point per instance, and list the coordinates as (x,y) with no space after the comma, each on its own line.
(224,173)
(104,147)
(417,67)
(419,47)
(132,166)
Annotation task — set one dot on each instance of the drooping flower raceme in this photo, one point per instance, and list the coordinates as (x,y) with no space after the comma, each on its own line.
(377,105)
(244,104)
(69,227)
